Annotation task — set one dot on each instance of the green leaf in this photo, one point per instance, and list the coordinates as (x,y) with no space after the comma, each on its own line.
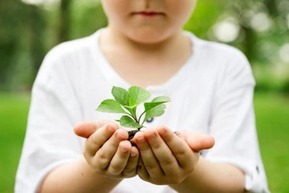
(127,121)
(120,95)
(110,106)
(149,105)
(126,102)
(132,110)
(163,99)
(156,102)
(155,111)
(137,95)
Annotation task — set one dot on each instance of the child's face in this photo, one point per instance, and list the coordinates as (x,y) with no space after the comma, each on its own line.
(147,21)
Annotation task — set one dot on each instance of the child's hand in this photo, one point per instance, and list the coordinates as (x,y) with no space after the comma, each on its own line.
(197,141)
(107,149)
(166,158)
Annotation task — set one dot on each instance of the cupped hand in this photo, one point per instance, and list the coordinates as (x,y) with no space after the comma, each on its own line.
(197,141)
(167,158)
(107,150)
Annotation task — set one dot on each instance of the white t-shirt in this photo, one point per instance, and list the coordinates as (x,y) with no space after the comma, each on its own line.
(212,93)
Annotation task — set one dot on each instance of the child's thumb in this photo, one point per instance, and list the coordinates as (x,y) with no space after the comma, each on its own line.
(198,142)
(84,129)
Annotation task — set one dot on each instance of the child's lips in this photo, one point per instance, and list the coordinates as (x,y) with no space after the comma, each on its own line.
(148,13)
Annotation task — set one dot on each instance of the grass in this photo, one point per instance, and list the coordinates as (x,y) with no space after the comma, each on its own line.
(13,116)
(272,116)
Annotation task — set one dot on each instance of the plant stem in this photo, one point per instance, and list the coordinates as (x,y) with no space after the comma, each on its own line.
(139,119)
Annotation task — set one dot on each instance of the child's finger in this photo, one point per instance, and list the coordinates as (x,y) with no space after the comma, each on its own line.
(198,142)
(179,148)
(142,172)
(131,167)
(85,129)
(148,158)
(98,138)
(120,158)
(162,152)
(107,151)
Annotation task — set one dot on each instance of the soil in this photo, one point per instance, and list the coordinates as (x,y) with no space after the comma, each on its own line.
(131,134)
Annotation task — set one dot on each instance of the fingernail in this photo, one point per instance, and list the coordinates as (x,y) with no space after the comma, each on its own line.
(123,149)
(140,139)
(133,154)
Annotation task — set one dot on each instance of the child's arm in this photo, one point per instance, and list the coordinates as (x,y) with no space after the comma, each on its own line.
(169,159)
(109,158)
(76,177)
(213,177)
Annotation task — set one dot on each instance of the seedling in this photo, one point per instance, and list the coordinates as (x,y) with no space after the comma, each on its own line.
(126,102)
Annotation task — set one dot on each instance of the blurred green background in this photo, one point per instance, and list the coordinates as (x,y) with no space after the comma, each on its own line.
(260,28)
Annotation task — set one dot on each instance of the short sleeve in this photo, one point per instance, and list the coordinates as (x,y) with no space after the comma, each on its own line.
(233,122)
(54,110)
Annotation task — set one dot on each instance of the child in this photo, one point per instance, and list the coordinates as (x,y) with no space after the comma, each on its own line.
(211,91)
